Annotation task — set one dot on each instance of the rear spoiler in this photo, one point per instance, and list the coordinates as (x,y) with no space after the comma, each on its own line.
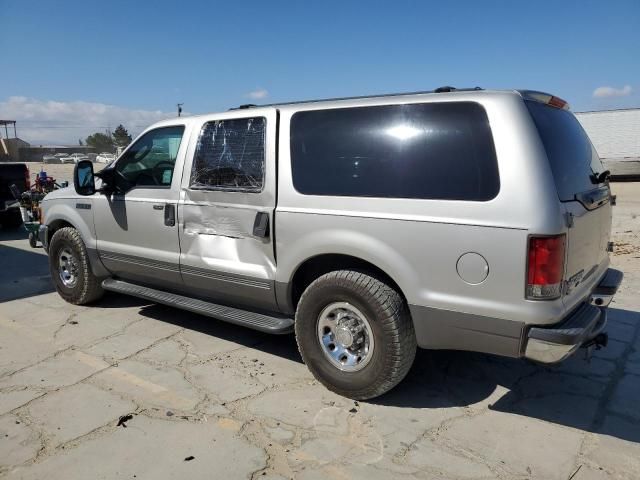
(545,98)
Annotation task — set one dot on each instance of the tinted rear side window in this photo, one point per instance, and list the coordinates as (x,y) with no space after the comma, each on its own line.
(572,158)
(426,151)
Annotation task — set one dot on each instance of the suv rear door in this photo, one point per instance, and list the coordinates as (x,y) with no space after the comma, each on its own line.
(227,208)
(583,191)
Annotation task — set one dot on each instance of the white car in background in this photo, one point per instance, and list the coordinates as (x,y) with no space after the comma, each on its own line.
(57,158)
(66,159)
(105,157)
(76,157)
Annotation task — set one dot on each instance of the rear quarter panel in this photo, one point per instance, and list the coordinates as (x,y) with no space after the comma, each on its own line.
(418,242)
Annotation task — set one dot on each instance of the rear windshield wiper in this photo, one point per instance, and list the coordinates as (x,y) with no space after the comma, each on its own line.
(597,178)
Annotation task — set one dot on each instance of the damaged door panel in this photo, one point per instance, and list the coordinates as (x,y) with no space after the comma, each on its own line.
(229,181)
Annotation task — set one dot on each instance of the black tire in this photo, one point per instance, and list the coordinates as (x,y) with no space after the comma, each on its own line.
(33,240)
(87,287)
(390,322)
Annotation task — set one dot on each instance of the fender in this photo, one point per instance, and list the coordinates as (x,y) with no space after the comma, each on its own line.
(77,212)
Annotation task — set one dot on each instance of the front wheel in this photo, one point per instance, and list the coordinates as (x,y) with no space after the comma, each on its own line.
(70,268)
(355,334)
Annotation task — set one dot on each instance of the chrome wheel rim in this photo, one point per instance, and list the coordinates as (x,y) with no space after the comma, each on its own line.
(67,268)
(345,336)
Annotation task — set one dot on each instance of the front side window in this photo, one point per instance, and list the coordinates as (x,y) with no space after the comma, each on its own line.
(151,160)
(230,155)
(423,151)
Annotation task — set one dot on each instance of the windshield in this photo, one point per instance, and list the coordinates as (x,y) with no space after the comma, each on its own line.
(574,162)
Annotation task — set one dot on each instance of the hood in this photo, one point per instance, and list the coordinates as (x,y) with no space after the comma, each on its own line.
(66,192)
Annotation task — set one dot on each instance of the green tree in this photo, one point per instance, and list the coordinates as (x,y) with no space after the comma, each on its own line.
(121,137)
(101,142)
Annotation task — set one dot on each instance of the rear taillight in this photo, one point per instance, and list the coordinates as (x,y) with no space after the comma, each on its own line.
(545,267)
(27,178)
(546,98)
(557,102)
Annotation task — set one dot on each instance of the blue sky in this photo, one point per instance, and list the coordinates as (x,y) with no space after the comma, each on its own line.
(87,64)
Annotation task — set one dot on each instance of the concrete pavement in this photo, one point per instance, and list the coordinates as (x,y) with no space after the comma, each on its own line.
(126,389)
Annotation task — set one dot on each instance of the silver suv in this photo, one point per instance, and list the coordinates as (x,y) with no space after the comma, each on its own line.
(454,219)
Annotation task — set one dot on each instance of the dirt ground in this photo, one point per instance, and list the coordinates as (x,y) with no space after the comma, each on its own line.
(127,389)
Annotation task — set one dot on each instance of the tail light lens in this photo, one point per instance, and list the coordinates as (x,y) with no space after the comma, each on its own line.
(545,268)
(27,178)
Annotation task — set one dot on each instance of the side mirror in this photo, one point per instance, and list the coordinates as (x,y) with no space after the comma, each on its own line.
(83,178)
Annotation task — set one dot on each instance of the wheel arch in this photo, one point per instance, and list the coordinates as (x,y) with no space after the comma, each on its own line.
(55,225)
(308,270)
(60,216)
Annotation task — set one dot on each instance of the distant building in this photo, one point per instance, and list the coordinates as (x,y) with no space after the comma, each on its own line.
(614,133)
(616,136)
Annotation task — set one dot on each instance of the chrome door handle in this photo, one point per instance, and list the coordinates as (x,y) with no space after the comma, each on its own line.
(158,206)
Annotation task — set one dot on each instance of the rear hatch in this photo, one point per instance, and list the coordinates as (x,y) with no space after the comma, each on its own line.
(584,192)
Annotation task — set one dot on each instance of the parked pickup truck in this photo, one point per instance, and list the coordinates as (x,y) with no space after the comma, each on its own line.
(454,219)
(12,174)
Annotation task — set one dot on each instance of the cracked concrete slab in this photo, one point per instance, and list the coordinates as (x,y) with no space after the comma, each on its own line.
(225,383)
(619,457)
(66,368)
(132,339)
(76,411)
(428,456)
(517,446)
(153,385)
(18,442)
(153,448)
(15,397)
(626,397)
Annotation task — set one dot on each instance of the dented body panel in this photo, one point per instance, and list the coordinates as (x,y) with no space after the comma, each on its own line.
(220,257)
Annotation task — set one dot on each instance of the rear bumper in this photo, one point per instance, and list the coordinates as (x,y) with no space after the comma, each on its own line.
(557,342)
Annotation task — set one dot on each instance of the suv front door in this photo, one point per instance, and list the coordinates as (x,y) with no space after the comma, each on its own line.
(136,224)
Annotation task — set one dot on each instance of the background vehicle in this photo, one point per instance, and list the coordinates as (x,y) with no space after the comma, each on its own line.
(105,157)
(12,174)
(55,158)
(76,157)
(370,226)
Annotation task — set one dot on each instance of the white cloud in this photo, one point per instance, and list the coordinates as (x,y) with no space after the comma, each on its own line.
(605,92)
(258,94)
(43,122)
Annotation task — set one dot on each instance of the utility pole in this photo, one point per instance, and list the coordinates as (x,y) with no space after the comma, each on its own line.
(179,105)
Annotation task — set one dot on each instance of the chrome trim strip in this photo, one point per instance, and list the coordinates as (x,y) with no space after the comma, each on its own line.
(118,257)
(225,277)
(187,270)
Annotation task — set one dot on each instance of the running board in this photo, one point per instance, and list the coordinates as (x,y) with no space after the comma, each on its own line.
(256,321)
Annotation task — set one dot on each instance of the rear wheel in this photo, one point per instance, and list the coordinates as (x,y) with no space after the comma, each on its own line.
(355,334)
(70,268)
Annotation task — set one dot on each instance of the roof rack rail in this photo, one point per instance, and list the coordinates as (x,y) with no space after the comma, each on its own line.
(446,89)
(244,106)
(437,90)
